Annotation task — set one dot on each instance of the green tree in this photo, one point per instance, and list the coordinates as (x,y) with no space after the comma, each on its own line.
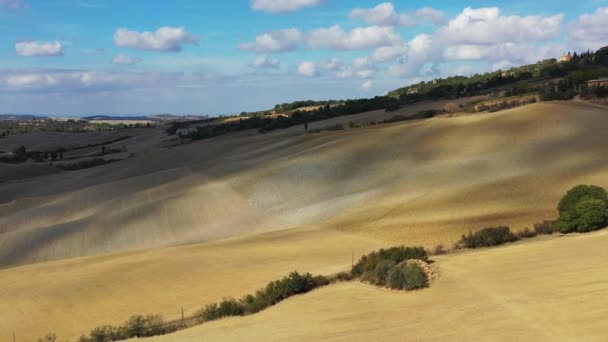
(584,208)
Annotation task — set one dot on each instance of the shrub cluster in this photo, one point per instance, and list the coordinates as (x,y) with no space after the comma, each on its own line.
(584,208)
(273,293)
(135,326)
(367,263)
(487,237)
(406,276)
(390,268)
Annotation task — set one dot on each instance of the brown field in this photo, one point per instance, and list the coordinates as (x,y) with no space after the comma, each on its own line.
(254,207)
(551,290)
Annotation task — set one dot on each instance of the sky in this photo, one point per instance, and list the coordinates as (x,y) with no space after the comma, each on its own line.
(82,57)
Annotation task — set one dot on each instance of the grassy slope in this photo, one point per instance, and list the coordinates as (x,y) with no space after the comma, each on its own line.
(554,290)
(423,182)
(414,183)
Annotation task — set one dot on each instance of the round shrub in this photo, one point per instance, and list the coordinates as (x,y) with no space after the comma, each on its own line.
(584,208)
(415,277)
(406,276)
(381,271)
(395,278)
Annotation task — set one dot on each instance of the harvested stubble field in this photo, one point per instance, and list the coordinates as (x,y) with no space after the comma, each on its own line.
(254,207)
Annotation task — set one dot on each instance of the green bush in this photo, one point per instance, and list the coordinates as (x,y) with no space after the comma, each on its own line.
(135,326)
(367,263)
(415,277)
(227,307)
(142,326)
(487,237)
(407,277)
(584,208)
(381,272)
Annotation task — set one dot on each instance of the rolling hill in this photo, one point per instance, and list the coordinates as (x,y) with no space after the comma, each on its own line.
(253,207)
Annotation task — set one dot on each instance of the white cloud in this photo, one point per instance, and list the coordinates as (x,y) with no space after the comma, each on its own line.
(277,6)
(308,69)
(389,53)
(435,16)
(333,64)
(487,26)
(590,31)
(359,38)
(164,39)
(122,59)
(384,14)
(365,73)
(39,49)
(265,62)
(367,85)
(346,73)
(364,63)
(275,41)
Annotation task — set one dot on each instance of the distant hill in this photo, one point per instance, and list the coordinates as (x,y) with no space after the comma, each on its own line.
(156,117)
(21,117)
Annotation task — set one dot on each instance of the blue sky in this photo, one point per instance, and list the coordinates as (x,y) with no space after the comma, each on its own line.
(71,57)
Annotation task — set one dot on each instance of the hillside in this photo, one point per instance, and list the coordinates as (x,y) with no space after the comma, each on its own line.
(537,291)
(254,207)
(423,182)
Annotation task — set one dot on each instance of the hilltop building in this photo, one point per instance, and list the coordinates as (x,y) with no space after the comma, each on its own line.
(565,57)
(600,82)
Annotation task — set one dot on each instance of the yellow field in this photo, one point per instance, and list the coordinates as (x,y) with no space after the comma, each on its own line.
(555,290)
(254,207)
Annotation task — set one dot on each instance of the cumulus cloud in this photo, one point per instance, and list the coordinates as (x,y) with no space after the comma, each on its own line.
(367,85)
(590,31)
(122,59)
(278,6)
(337,38)
(476,34)
(275,41)
(308,69)
(71,81)
(265,62)
(164,39)
(487,26)
(333,64)
(390,53)
(384,14)
(39,49)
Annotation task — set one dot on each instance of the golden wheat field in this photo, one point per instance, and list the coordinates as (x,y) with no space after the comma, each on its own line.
(548,290)
(185,226)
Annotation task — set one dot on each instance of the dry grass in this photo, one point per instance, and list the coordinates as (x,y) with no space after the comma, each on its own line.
(425,182)
(542,290)
(72,296)
(314,196)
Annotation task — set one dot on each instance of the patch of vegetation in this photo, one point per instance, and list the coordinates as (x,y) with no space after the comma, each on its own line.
(487,237)
(8,127)
(390,268)
(135,327)
(367,263)
(86,164)
(406,276)
(584,208)
(546,227)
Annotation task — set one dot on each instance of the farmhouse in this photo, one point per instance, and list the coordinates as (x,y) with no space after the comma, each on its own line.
(566,57)
(600,82)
